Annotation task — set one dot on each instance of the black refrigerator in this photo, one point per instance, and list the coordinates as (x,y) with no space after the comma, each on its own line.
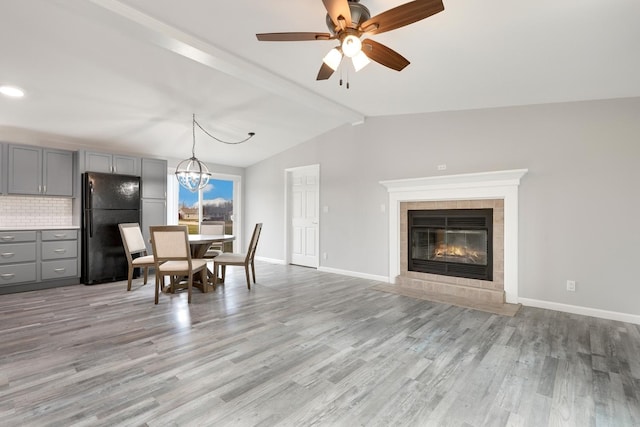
(107,200)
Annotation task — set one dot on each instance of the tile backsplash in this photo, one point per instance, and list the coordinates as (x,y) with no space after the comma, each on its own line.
(35,211)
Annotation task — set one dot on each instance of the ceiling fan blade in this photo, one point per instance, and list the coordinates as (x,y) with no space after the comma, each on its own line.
(402,15)
(325,72)
(337,8)
(293,37)
(384,55)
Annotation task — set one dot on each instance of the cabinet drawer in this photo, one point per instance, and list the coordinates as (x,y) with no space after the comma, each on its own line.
(17,252)
(17,236)
(17,273)
(59,269)
(59,235)
(57,250)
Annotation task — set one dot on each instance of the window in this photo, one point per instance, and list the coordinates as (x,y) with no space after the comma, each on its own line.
(218,201)
(217,205)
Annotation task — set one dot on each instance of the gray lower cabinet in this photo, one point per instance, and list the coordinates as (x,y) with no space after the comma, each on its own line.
(17,257)
(59,254)
(33,259)
(40,171)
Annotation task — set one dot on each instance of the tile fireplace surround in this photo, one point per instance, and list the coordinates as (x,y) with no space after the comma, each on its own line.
(497,190)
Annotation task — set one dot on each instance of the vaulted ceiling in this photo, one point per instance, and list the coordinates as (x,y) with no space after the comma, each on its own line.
(126,75)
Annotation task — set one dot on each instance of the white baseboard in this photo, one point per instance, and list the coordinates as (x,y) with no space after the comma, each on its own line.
(585,311)
(354,274)
(271,260)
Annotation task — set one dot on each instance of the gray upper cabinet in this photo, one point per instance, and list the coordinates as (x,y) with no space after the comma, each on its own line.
(37,171)
(57,173)
(111,163)
(154,179)
(3,169)
(154,194)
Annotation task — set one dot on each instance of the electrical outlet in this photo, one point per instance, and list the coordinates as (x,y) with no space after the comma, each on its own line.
(442,167)
(324,255)
(571,285)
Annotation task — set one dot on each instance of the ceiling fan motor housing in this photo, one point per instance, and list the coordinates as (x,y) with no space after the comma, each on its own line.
(359,14)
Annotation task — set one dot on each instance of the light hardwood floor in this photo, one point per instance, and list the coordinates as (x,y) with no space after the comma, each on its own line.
(305,348)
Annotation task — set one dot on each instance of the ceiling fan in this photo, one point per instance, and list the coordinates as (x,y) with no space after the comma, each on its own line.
(348,21)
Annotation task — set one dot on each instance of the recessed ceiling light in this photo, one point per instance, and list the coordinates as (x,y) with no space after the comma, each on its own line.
(12,91)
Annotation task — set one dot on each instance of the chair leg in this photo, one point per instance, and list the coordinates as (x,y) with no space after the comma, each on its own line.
(215,274)
(157,287)
(253,270)
(246,273)
(224,272)
(189,283)
(146,274)
(204,278)
(129,278)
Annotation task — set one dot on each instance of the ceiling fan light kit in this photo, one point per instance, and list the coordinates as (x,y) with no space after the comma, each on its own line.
(360,60)
(351,45)
(333,58)
(348,21)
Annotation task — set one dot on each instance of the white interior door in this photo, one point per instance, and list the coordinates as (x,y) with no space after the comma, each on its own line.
(304,192)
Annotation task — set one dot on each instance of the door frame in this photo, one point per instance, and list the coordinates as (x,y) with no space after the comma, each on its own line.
(288,173)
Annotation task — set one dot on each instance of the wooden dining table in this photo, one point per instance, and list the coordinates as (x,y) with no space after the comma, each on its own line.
(200,243)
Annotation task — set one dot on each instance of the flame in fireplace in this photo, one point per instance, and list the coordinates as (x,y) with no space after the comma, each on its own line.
(444,250)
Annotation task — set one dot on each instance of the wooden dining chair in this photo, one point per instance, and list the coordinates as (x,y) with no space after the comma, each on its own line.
(245,259)
(133,243)
(213,227)
(172,256)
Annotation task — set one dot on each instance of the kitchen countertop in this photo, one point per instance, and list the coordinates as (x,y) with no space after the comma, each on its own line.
(44,227)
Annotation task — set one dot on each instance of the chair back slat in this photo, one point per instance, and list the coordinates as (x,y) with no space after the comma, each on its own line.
(253,244)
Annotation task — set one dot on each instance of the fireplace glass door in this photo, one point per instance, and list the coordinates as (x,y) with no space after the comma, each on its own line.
(451,242)
(462,246)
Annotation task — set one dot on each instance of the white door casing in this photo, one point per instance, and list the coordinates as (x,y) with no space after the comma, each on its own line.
(303,210)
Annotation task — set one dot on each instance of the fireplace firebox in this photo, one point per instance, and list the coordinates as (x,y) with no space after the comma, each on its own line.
(451,242)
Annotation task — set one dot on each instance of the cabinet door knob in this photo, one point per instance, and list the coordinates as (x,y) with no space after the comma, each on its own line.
(7,238)
(8,276)
(59,236)
(60,270)
(60,251)
(7,254)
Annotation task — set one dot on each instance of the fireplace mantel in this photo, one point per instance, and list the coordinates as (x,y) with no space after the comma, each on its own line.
(472,186)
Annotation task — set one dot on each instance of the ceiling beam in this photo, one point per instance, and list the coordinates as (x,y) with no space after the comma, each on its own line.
(181,43)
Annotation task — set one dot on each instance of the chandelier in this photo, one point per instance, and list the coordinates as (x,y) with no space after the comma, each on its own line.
(193,174)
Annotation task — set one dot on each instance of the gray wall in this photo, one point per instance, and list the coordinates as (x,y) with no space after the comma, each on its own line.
(581,190)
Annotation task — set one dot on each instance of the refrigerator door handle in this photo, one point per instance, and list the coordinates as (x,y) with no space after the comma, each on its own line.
(88,222)
(90,193)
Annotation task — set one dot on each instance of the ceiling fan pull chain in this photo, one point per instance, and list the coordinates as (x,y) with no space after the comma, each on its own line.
(347,77)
